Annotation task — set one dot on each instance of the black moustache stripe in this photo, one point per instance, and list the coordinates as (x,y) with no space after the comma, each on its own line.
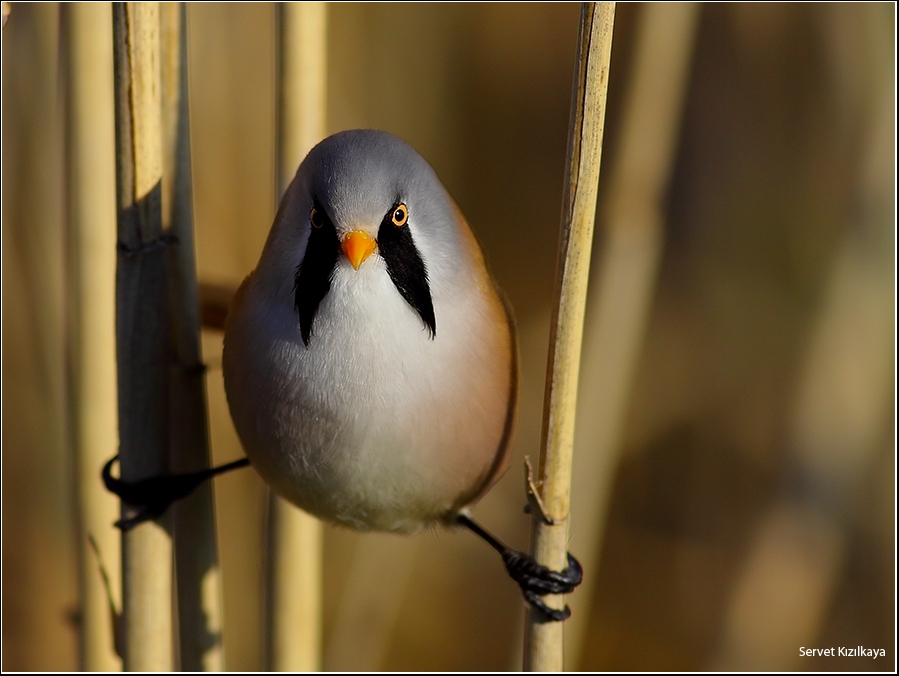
(406,269)
(313,278)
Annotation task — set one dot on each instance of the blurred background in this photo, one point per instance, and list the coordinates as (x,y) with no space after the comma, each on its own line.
(734,494)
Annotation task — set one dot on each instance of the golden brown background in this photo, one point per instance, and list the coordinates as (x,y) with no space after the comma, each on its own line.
(753,497)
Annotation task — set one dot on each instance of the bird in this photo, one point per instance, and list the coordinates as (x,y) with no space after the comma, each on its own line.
(370,359)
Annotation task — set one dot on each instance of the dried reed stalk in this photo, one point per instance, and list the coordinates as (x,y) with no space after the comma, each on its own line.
(632,229)
(294,595)
(543,640)
(142,331)
(198,579)
(90,178)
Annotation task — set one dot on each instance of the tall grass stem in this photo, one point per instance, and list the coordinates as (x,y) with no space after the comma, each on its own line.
(142,338)
(90,190)
(198,577)
(631,229)
(294,592)
(543,640)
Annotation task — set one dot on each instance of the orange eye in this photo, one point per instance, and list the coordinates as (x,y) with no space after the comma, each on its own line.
(316,218)
(400,216)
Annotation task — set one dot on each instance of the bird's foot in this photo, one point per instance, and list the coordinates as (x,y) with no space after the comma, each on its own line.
(537,580)
(154,495)
(534,579)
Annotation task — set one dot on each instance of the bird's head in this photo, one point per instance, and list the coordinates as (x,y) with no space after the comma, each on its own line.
(361,196)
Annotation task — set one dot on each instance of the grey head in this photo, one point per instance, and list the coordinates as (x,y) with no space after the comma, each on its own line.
(356,181)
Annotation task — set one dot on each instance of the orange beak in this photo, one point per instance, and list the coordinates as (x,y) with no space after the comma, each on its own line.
(357,246)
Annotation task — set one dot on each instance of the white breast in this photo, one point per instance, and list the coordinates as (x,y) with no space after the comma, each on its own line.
(374,425)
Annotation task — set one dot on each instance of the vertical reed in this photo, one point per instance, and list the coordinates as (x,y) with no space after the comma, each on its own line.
(90,179)
(543,640)
(632,228)
(295,538)
(198,578)
(142,331)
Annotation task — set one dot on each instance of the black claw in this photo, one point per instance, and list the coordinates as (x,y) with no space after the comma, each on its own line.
(154,495)
(534,579)
(531,576)
(551,614)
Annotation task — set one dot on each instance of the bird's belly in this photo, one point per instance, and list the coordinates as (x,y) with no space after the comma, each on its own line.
(387,430)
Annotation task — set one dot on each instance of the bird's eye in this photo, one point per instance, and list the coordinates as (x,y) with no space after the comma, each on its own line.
(316,218)
(400,216)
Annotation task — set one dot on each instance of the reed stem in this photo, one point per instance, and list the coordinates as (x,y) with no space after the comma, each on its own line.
(543,640)
(294,597)
(90,167)
(198,578)
(141,331)
(632,224)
